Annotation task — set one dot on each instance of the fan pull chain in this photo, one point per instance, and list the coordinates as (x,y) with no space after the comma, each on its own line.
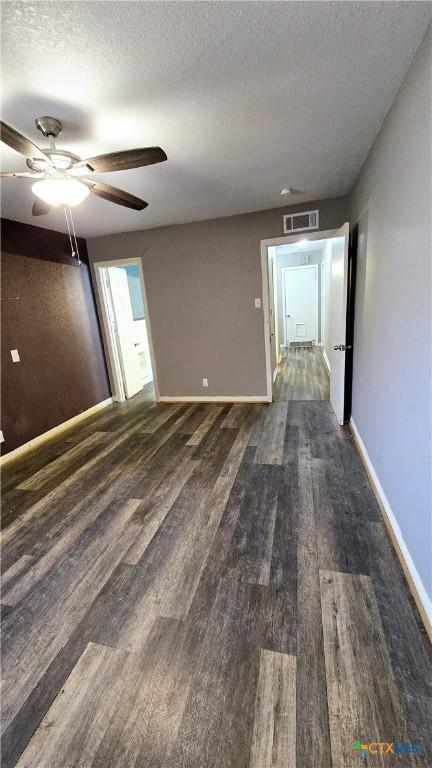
(67,222)
(71,231)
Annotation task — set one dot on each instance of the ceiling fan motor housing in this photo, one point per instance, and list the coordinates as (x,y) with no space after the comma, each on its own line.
(49,126)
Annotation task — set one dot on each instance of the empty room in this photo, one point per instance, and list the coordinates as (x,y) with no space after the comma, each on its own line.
(216,384)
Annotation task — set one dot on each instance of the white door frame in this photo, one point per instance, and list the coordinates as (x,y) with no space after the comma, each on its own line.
(317,235)
(276,314)
(109,341)
(284,276)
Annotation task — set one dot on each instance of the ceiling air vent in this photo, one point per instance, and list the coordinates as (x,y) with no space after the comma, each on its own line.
(301,222)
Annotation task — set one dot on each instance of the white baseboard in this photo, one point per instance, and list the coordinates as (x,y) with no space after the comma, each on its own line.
(275,373)
(326,360)
(36,441)
(216,399)
(421,597)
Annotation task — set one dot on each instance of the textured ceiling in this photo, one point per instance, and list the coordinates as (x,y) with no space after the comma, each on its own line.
(245,97)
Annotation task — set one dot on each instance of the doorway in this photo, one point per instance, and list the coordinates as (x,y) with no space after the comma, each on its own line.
(309,277)
(121,292)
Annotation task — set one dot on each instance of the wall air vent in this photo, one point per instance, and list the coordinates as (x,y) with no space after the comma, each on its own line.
(300,222)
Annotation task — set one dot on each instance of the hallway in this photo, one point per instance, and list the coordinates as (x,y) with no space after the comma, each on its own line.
(205,586)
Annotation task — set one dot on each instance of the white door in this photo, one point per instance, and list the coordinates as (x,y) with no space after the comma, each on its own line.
(125,332)
(301,303)
(338,307)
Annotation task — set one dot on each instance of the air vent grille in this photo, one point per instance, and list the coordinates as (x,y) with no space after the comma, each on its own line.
(301,222)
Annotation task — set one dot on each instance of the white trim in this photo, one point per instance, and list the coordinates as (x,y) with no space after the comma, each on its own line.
(36,441)
(264,245)
(275,308)
(326,360)
(266,321)
(323,299)
(215,399)
(117,386)
(320,234)
(275,373)
(419,591)
(284,270)
(110,345)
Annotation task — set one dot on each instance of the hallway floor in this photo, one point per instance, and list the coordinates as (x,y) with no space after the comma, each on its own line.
(302,375)
(196,586)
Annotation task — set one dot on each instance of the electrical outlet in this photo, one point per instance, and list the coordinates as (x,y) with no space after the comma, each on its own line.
(15,355)
(257,303)
(205,382)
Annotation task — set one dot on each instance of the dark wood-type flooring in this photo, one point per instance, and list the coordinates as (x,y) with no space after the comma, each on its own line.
(302,375)
(196,586)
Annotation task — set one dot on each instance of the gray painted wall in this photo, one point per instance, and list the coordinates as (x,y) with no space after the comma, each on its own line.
(201,280)
(391,202)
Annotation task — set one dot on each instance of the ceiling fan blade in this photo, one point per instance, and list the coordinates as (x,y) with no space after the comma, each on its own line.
(40,207)
(21,144)
(122,161)
(115,195)
(20,175)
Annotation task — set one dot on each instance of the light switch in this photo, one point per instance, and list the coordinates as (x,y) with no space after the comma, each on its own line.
(15,356)
(257,303)
(1,436)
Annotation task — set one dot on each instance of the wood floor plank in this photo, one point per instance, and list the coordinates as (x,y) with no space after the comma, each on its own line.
(52,470)
(73,727)
(274,734)
(14,503)
(270,446)
(205,425)
(216,565)
(47,615)
(313,738)
(204,732)
(146,719)
(363,699)
(13,574)
(38,512)
(252,548)
(127,455)
(50,520)
(36,569)
(100,624)
(152,511)
(160,416)
(341,537)
(281,594)
(188,538)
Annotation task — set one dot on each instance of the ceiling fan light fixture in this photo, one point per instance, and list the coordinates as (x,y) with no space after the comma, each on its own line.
(56,191)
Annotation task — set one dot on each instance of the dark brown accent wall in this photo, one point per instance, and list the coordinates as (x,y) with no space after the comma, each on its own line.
(48,314)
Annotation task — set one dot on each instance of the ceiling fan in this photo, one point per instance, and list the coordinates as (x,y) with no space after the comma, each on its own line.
(59,175)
